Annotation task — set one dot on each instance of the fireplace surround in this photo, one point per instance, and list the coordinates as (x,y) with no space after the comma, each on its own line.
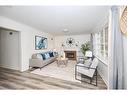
(71,55)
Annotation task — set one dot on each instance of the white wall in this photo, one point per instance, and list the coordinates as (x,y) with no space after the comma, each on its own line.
(125,60)
(9,49)
(78,38)
(103,71)
(27,39)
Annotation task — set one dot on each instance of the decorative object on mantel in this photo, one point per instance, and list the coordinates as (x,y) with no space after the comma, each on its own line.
(70,41)
(40,42)
(85,47)
(77,44)
(62,44)
(123,22)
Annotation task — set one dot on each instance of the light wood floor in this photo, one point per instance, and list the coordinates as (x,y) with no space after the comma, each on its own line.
(12,79)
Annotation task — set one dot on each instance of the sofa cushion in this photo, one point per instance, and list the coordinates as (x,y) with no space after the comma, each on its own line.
(39,56)
(51,54)
(43,56)
(36,56)
(47,56)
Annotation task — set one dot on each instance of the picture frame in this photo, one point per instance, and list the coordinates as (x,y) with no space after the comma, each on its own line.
(40,43)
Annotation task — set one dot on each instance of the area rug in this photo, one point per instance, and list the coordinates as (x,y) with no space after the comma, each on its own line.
(61,72)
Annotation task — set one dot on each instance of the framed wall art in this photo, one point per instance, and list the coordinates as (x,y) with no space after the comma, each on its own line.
(40,43)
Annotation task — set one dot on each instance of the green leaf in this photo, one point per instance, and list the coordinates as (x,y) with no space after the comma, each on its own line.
(85,47)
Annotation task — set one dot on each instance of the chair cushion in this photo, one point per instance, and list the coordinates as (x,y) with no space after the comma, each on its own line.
(94,63)
(87,71)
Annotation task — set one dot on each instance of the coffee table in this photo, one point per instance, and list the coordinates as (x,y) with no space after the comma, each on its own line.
(62,61)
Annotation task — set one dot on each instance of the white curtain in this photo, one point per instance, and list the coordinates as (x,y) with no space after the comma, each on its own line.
(115,50)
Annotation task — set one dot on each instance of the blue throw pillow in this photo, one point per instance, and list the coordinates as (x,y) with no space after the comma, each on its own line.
(47,55)
(51,54)
(43,56)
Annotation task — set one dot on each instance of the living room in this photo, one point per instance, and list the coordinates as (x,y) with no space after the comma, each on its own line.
(62,30)
(58,41)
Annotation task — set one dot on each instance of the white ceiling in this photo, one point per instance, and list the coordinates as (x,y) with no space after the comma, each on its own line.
(54,19)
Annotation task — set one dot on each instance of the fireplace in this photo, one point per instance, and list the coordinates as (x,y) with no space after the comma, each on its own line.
(71,55)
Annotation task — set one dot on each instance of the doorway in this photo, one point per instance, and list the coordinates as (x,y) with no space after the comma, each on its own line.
(9,49)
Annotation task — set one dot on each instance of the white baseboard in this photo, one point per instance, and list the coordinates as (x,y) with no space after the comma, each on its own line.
(8,67)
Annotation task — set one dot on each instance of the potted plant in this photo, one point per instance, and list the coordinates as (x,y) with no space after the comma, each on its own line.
(85,47)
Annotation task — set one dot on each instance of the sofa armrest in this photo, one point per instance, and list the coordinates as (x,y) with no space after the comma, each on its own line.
(35,62)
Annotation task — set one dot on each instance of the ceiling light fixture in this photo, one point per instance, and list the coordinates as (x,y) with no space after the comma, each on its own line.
(65,31)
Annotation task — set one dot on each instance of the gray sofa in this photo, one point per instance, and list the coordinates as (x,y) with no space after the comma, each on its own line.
(37,60)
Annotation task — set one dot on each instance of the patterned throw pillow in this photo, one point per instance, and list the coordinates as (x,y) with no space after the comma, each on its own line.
(55,53)
(47,55)
(43,56)
(51,54)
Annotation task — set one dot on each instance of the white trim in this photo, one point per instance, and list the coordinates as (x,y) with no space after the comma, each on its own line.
(103,61)
(7,67)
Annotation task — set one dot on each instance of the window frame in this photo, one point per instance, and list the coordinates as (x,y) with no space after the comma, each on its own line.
(99,39)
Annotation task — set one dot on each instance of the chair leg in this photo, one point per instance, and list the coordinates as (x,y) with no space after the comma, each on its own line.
(90,80)
(96,77)
(75,72)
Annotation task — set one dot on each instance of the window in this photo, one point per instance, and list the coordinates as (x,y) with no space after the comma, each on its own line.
(100,43)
